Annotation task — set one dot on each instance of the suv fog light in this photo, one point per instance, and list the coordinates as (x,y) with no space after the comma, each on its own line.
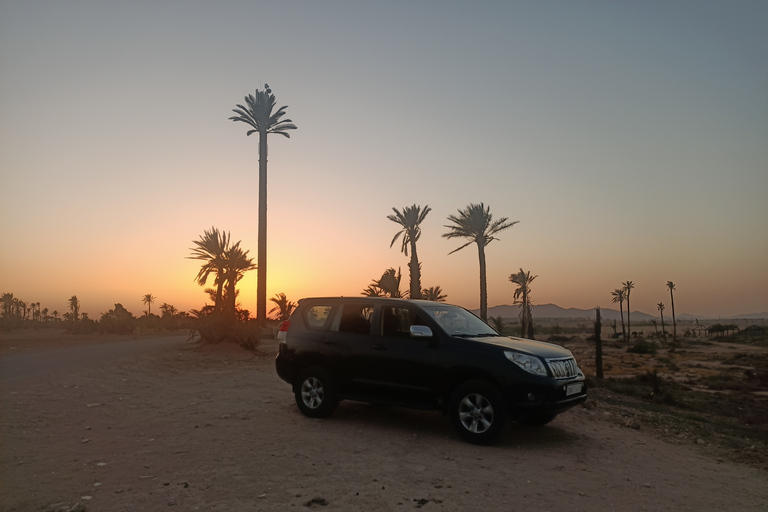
(531,397)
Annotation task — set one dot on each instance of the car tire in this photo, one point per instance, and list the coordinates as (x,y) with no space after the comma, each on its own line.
(314,393)
(538,420)
(477,412)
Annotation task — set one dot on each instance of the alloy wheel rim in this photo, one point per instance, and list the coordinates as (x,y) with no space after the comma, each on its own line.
(312,393)
(476,413)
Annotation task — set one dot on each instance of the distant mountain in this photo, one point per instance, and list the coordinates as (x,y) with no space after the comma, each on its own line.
(555,311)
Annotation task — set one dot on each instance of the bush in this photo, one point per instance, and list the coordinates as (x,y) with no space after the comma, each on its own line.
(643,347)
(215,329)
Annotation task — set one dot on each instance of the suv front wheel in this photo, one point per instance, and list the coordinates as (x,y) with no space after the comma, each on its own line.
(314,393)
(477,412)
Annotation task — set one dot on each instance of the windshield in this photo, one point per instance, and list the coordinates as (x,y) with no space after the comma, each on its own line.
(458,321)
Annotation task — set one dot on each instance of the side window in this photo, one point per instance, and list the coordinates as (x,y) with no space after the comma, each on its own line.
(317,316)
(355,317)
(398,321)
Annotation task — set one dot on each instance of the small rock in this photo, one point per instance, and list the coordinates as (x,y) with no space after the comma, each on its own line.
(86,497)
(93,405)
(85,441)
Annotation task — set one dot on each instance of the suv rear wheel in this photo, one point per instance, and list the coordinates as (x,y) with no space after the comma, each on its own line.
(477,412)
(314,393)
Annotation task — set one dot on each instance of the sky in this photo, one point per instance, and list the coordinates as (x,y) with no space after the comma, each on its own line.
(629,139)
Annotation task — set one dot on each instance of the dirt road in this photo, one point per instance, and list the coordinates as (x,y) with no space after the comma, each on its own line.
(215,429)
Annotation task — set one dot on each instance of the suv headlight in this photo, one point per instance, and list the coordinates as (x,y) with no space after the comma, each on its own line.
(530,364)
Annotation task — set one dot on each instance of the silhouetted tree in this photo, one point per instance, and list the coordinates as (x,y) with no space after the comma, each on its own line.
(409,219)
(283,307)
(74,307)
(433,293)
(522,296)
(671,287)
(211,248)
(260,116)
(475,223)
(498,324)
(598,344)
(148,299)
(628,286)
(660,307)
(236,264)
(618,296)
(388,285)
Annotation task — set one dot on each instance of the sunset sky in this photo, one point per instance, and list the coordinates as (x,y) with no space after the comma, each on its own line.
(630,139)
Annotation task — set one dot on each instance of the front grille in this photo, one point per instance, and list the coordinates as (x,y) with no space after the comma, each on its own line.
(563,368)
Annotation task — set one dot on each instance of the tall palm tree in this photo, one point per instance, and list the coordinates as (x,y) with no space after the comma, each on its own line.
(660,307)
(522,296)
(618,296)
(433,293)
(211,248)
(7,304)
(236,264)
(148,299)
(409,219)
(671,287)
(628,286)
(260,116)
(74,306)
(283,307)
(476,224)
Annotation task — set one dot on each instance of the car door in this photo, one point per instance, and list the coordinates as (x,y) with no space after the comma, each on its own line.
(403,367)
(349,340)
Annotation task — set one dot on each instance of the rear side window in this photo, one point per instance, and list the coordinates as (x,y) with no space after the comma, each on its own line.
(317,316)
(354,318)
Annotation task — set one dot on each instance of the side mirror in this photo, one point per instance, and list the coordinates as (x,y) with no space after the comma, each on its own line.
(420,331)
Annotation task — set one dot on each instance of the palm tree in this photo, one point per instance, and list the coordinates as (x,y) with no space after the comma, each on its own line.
(409,219)
(390,283)
(660,307)
(671,287)
(476,224)
(433,293)
(211,248)
(522,296)
(258,114)
(148,299)
(373,290)
(628,286)
(7,304)
(74,306)
(618,296)
(236,264)
(498,324)
(283,307)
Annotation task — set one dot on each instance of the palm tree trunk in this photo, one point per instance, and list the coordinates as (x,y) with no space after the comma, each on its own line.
(261,259)
(674,321)
(483,286)
(415,273)
(623,330)
(629,325)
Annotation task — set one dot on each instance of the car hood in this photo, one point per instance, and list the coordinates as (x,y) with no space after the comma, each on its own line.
(531,347)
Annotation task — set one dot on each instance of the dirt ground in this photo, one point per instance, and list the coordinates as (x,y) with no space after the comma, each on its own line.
(213,428)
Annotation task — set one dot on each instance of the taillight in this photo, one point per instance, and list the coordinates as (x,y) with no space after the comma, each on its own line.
(283,332)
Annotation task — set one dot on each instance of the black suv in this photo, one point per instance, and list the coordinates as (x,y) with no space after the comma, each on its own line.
(427,355)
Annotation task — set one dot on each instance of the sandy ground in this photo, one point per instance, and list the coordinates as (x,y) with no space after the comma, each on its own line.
(213,428)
